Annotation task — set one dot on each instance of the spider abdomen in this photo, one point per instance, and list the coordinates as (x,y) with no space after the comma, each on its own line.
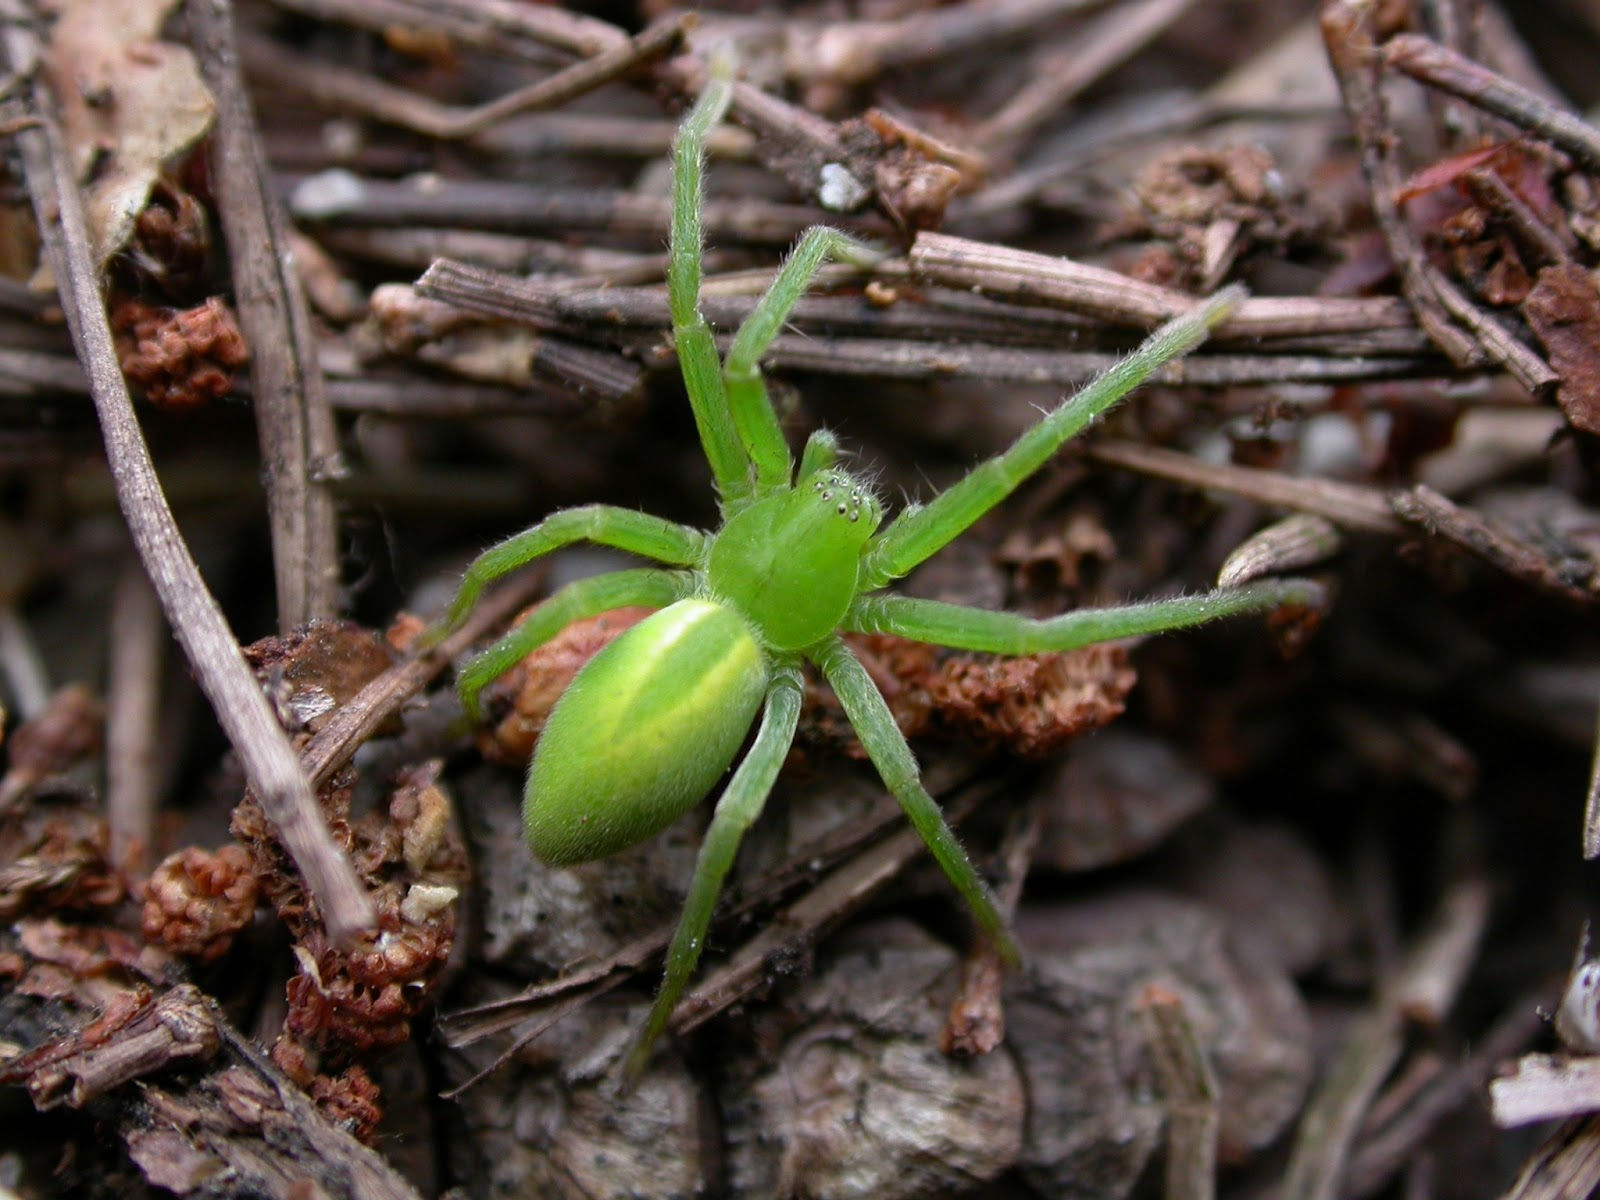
(790,561)
(643,733)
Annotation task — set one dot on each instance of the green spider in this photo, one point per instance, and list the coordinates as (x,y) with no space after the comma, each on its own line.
(651,724)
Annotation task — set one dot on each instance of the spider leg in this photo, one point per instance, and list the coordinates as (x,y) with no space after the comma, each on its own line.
(918,533)
(741,803)
(605,525)
(576,601)
(697,350)
(886,747)
(966,628)
(753,415)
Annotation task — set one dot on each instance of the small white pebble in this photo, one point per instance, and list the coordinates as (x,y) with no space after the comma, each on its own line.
(838,190)
(1331,445)
(343,139)
(327,194)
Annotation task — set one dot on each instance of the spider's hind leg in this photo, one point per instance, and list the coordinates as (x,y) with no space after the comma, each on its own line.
(740,804)
(886,747)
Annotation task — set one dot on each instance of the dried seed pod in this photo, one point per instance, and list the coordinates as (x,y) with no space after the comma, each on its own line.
(849,1094)
(67,731)
(1210,206)
(348,1002)
(196,900)
(350,1100)
(361,1002)
(1032,706)
(56,857)
(170,250)
(179,359)
(315,668)
(364,998)
(279,880)
(1029,706)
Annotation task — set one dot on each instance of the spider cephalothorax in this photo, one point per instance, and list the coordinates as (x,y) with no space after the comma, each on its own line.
(803,541)
(652,723)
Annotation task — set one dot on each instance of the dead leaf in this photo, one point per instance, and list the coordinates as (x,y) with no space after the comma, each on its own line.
(130,103)
(1564,310)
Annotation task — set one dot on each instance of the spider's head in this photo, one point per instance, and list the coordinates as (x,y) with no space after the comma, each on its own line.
(849,498)
(789,562)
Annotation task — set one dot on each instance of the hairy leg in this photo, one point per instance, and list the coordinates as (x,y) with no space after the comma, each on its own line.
(741,803)
(697,351)
(575,602)
(919,532)
(621,528)
(747,394)
(886,747)
(965,628)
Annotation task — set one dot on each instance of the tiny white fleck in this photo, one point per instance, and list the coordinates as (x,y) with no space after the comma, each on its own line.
(327,194)
(838,190)
(1578,1018)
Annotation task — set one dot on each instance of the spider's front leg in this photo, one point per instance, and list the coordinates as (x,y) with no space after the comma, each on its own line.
(920,532)
(752,411)
(738,428)
(697,349)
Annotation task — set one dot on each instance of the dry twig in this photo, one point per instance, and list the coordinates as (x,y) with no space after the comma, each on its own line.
(196,620)
(132,707)
(1438,66)
(1420,990)
(299,445)
(1189,1089)
(1464,332)
(361,94)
